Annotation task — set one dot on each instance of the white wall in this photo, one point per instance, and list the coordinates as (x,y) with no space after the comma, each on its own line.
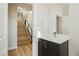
(74,29)
(3,29)
(65,25)
(12,24)
(65,20)
(42,21)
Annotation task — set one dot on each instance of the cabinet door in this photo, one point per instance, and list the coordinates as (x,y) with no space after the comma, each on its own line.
(53,49)
(64,49)
(44,48)
(39,47)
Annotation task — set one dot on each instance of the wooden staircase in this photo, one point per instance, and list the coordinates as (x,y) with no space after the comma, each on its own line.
(22,35)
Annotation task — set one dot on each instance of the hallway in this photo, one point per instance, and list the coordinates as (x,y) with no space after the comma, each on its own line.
(23,41)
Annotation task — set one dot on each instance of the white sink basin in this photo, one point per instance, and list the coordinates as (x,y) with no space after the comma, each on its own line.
(60,38)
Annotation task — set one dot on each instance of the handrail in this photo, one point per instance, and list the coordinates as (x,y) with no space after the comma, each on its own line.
(28,26)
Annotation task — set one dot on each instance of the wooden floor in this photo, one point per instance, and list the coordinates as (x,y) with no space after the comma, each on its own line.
(23,40)
(24,50)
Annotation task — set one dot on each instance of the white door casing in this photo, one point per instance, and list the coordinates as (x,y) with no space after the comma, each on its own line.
(3,29)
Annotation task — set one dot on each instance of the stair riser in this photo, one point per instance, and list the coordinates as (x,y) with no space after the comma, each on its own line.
(23,38)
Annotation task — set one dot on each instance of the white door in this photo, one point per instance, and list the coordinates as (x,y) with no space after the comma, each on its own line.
(3,29)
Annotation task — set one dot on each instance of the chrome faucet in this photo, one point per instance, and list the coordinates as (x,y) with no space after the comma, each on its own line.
(54,34)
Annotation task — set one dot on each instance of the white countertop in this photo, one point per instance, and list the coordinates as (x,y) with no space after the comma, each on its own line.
(60,38)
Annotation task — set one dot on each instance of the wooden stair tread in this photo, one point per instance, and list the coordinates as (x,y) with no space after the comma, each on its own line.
(22,34)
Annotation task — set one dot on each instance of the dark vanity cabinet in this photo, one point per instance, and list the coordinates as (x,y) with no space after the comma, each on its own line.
(47,48)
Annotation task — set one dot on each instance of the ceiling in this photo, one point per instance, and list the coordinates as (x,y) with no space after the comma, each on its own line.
(29,5)
(25,6)
(53,4)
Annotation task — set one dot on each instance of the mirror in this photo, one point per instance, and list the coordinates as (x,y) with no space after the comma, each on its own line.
(58,24)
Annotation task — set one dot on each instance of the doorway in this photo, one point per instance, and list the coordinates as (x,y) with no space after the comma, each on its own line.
(24,30)
(58,24)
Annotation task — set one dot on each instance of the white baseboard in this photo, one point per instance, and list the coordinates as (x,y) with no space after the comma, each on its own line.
(3,53)
(10,48)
